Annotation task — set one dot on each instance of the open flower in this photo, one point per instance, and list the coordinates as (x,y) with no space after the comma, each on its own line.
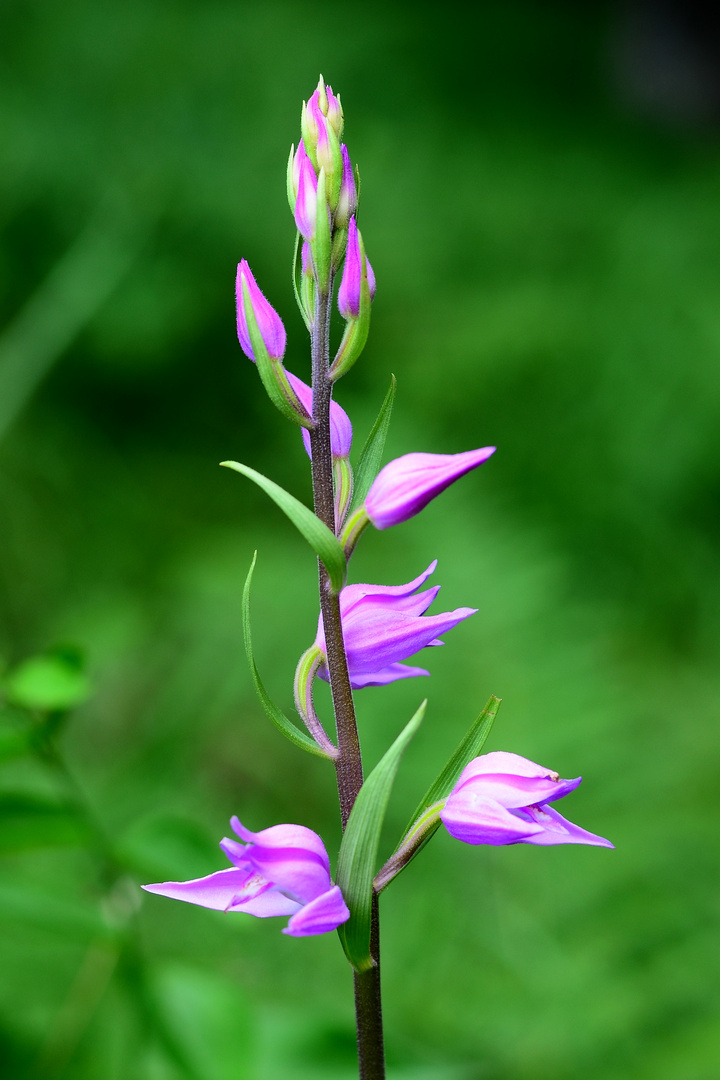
(502,798)
(406,485)
(385,624)
(283,870)
(268,321)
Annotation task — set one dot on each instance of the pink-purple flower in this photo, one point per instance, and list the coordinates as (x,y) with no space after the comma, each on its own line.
(351,285)
(386,624)
(503,798)
(348,200)
(340,425)
(406,485)
(268,321)
(283,870)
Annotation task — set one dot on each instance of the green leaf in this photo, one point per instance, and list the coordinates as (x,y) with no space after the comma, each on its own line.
(54,681)
(469,748)
(297,281)
(372,451)
(322,540)
(358,851)
(281,722)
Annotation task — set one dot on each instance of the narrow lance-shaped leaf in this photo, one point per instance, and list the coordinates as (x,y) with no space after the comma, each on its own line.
(372,451)
(281,722)
(358,851)
(297,280)
(321,539)
(469,748)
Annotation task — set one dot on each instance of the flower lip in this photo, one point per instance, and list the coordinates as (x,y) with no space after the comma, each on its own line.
(406,485)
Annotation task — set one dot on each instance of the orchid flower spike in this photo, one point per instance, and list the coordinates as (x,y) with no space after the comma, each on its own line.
(340,426)
(406,485)
(385,624)
(502,798)
(268,321)
(283,870)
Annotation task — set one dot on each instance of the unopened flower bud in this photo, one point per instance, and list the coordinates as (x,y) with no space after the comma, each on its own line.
(306,194)
(309,127)
(329,158)
(340,426)
(406,485)
(347,200)
(334,112)
(268,321)
(356,269)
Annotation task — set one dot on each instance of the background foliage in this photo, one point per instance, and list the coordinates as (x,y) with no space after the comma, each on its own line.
(547,281)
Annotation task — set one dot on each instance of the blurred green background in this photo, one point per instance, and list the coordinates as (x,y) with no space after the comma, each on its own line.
(548,275)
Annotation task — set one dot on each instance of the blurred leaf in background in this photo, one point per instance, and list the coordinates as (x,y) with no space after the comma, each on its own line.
(548,274)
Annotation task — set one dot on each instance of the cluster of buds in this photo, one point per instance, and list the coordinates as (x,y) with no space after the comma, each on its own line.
(323,195)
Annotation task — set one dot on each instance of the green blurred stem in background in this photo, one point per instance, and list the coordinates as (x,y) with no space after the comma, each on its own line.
(74,290)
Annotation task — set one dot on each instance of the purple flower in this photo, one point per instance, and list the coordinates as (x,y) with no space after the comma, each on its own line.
(348,200)
(283,870)
(384,624)
(305,185)
(406,485)
(503,798)
(351,284)
(269,322)
(340,426)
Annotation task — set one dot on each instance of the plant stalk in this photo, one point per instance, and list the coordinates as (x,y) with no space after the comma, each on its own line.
(348,763)
(368,1009)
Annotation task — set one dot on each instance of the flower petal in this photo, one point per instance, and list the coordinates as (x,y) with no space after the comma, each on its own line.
(406,485)
(283,836)
(378,638)
(557,829)
(501,761)
(516,791)
(292,857)
(475,819)
(326,912)
(386,675)
(225,889)
(352,594)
